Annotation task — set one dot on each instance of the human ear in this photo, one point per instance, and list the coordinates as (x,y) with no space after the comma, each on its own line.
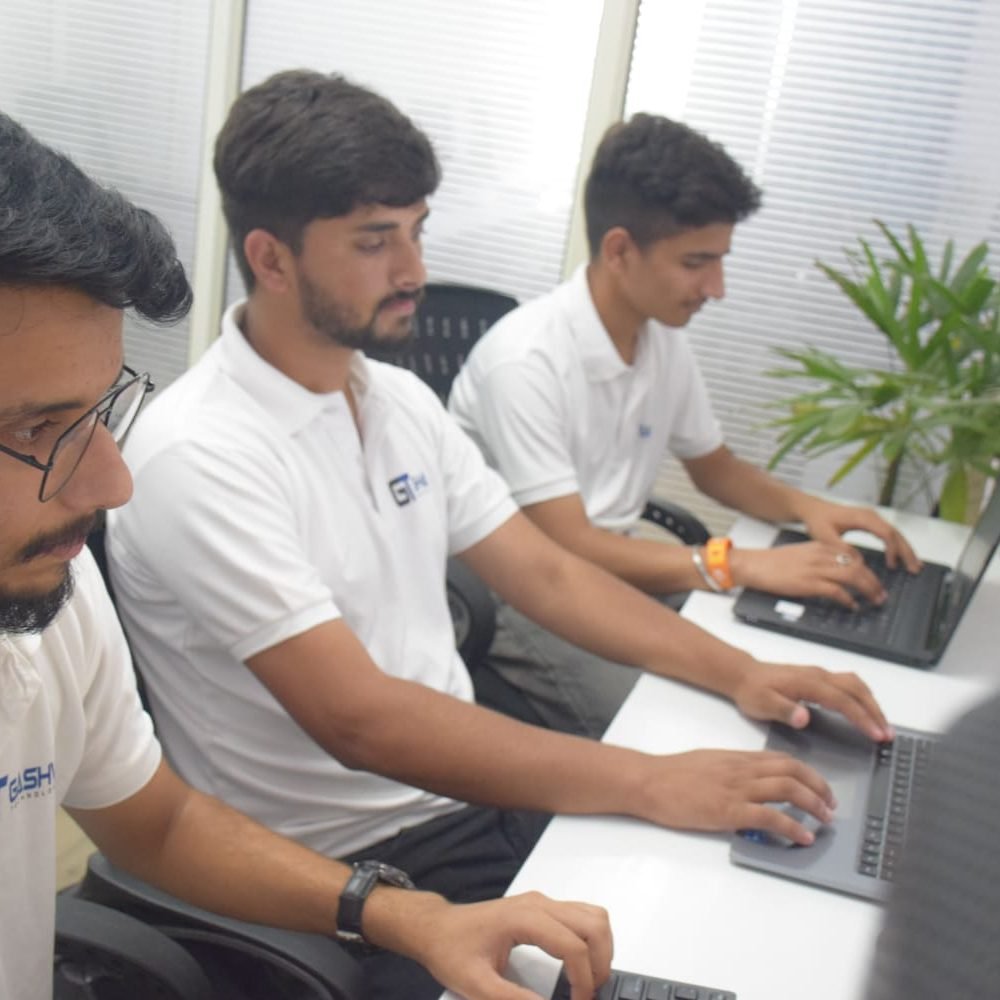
(270,260)
(617,248)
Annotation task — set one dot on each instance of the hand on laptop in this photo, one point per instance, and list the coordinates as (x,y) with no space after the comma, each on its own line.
(467,946)
(827,522)
(833,570)
(732,790)
(774,692)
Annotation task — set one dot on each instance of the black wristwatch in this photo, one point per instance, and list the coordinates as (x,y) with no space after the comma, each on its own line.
(366,875)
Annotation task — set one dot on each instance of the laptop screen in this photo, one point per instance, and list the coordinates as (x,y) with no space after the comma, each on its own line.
(972,563)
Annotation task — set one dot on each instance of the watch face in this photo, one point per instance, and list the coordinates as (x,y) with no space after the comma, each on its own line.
(387,873)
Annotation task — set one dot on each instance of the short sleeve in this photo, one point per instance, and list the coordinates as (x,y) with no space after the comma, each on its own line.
(215,528)
(520,424)
(120,751)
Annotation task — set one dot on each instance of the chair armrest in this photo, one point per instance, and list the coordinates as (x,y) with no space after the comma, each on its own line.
(473,612)
(94,944)
(678,521)
(319,958)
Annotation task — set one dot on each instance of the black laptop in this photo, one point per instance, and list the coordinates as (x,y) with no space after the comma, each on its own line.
(874,784)
(915,623)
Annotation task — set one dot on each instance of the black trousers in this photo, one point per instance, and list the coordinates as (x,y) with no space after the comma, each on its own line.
(467,856)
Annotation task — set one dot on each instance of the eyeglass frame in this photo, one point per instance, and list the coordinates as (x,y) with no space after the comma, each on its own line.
(95,413)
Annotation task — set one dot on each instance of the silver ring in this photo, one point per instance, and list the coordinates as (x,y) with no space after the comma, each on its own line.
(843,559)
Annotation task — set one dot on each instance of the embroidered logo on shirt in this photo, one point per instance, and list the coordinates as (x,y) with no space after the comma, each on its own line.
(645,430)
(406,488)
(31,783)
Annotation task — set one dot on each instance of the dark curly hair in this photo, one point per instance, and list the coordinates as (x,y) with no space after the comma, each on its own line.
(59,227)
(303,146)
(656,177)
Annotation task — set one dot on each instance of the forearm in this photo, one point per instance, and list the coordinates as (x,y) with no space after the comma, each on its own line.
(470,753)
(631,628)
(653,566)
(743,487)
(200,850)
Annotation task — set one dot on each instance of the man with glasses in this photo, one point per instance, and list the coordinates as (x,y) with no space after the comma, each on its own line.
(281,568)
(73,256)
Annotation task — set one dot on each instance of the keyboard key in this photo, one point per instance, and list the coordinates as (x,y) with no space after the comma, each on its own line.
(631,986)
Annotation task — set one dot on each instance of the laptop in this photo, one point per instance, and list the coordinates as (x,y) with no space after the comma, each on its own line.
(873,783)
(915,623)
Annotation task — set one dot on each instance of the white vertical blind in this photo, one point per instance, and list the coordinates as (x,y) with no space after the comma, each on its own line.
(118,88)
(501,88)
(843,111)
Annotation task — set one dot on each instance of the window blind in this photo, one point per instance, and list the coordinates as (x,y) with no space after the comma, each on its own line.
(843,111)
(118,88)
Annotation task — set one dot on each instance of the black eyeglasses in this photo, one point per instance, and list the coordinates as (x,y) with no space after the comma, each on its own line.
(117,411)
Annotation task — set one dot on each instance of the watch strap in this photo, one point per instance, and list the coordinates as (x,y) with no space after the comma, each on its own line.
(364,878)
(717,561)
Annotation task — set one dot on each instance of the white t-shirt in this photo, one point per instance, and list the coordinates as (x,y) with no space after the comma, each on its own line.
(556,411)
(72,732)
(258,514)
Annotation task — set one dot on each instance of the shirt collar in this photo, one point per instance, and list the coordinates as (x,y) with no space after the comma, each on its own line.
(291,405)
(601,361)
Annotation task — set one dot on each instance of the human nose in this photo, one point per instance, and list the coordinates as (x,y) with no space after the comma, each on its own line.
(101,480)
(410,269)
(715,282)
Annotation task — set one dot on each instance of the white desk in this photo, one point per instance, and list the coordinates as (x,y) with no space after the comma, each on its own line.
(678,908)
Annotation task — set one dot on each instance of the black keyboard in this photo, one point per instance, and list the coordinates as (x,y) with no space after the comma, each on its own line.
(631,986)
(900,768)
(866,619)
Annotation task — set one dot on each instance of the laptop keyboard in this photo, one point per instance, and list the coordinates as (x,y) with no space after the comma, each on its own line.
(900,767)
(630,986)
(866,619)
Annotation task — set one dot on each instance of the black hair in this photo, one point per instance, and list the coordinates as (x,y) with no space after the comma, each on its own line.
(59,227)
(656,177)
(303,145)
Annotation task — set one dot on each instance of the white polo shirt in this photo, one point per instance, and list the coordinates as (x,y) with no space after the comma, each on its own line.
(259,513)
(554,408)
(72,732)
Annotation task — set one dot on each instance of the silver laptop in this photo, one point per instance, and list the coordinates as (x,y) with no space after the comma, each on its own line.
(873,783)
(915,623)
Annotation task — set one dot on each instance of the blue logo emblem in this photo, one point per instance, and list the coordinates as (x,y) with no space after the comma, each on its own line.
(645,431)
(31,783)
(406,488)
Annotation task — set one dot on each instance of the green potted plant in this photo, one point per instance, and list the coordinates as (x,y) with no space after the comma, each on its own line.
(937,401)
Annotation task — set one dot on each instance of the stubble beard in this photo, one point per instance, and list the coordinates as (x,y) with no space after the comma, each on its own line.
(335,324)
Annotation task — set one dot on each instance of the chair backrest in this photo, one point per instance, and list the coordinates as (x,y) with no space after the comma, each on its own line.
(242,961)
(102,954)
(450,320)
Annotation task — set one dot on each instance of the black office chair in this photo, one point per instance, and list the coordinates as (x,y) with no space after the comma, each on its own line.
(450,320)
(101,954)
(237,960)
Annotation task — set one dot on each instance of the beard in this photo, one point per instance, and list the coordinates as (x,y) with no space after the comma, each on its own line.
(21,614)
(337,325)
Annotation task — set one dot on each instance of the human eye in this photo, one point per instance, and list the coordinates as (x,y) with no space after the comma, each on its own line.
(33,435)
(370,247)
